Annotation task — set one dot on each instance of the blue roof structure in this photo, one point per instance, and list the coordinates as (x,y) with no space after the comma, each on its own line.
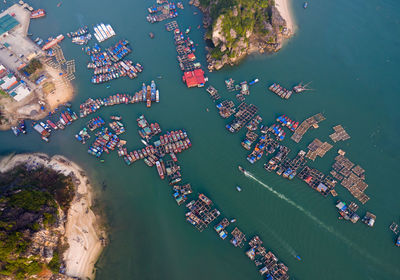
(7,23)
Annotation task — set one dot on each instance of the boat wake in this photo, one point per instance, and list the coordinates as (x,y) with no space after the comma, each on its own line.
(317,221)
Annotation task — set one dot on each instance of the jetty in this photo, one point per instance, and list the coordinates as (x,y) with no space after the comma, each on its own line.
(305,125)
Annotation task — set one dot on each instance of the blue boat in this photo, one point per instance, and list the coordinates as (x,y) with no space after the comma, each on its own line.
(305,5)
(298,257)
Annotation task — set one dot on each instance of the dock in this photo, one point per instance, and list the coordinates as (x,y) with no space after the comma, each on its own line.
(238,238)
(171,25)
(226,108)
(305,125)
(317,148)
(201,213)
(324,184)
(339,135)
(244,114)
(352,177)
(213,93)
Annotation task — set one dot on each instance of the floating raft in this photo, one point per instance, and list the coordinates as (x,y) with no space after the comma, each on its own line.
(317,148)
(213,93)
(171,25)
(305,125)
(352,177)
(339,134)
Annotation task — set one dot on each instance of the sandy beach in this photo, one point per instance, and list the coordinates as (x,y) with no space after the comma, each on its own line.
(82,229)
(285,9)
(63,92)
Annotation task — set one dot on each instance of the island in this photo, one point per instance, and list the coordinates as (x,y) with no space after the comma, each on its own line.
(236,28)
(47,227)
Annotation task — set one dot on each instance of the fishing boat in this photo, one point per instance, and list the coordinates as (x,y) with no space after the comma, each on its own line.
(238,188)
(151,34)
(305,5)
(53,42)
(160,170)
(38,13)
(298,257)
(254,81)
(398,241)
(241,169)
(144,142)
(233,220)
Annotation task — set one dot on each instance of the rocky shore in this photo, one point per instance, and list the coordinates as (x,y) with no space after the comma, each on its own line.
(238,28)
(78,231)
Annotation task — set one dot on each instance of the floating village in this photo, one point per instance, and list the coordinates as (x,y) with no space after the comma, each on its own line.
(264,142)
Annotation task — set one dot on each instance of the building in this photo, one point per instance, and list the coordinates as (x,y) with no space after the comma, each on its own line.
(7,23)
(10,84)
(194,78)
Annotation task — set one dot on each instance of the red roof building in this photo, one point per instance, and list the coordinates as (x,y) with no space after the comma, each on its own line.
(194,78)
(191,56)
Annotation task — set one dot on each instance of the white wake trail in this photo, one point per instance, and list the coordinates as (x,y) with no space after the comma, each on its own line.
(318,221)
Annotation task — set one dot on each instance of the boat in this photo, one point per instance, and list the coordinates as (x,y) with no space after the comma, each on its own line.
(38,13)
(233,220)
(160,170)
(298,257)
(305,5)
(238,188)
(241,169)
(53,42)
(398,241)
(144,142)
(254,81)
(151,34)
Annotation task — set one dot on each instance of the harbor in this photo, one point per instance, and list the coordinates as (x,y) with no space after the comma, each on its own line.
(145,216)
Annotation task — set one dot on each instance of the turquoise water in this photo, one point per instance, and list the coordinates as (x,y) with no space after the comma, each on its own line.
(348,49)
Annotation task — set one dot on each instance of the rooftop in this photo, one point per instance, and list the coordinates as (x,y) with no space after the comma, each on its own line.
(7,23)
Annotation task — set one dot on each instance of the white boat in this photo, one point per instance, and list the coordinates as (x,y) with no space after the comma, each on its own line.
(238,188)
(97,32)
(144,142)
(103,27)
(110,29)
(157,96)
(102,32)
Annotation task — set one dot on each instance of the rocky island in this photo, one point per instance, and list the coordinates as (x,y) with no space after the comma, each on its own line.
(47,227)
(236,28)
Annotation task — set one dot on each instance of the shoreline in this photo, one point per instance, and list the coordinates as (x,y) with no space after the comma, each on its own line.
(286,11)
(83,231)
(52,92)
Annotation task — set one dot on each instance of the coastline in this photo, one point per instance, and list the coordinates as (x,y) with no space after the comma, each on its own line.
(83,231)
(52,92)
(285,9)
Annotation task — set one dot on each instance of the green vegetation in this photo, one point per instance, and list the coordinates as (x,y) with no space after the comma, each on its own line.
(33,65)
(239,18)
(54,264)
(29,201)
